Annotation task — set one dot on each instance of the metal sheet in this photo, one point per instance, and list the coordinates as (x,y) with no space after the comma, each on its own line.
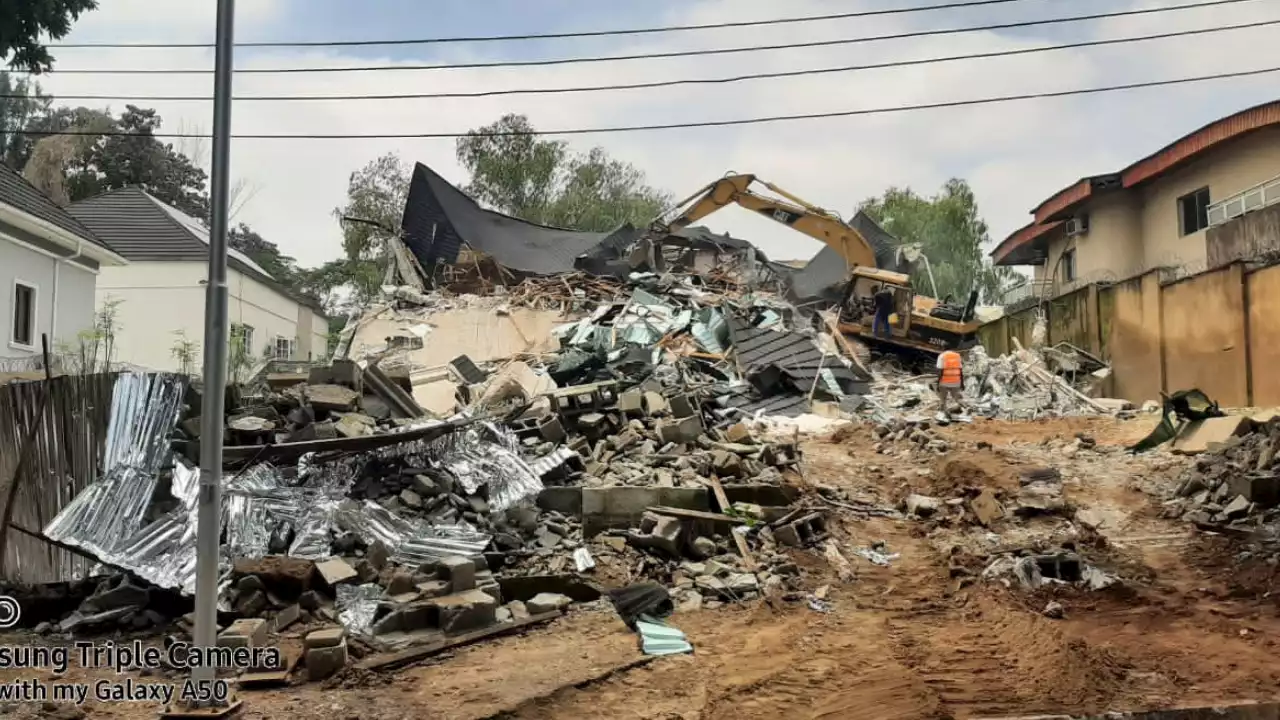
(144,410)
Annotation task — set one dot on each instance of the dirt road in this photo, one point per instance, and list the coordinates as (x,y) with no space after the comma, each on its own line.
(921,638)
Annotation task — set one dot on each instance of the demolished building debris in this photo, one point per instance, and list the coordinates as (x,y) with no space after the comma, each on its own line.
(474,461)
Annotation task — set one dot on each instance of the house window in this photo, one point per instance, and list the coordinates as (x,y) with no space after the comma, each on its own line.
(24,315)
(285,347)
(1193,211)
(242,335)
(1069,265)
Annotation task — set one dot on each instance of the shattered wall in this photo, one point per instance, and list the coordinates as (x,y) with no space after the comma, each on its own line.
(1202,325)
(482,333)
(1263,291)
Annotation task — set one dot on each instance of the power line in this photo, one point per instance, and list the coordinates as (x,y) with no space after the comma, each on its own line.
(559,35)
(687,125)
(671,83)
(672,54)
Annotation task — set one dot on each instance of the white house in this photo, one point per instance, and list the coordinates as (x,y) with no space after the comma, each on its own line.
(49,266)
(159,296)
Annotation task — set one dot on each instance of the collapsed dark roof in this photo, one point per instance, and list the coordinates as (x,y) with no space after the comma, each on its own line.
(439,219)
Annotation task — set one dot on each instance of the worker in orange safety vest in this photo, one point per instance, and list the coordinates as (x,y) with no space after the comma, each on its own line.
(950,380)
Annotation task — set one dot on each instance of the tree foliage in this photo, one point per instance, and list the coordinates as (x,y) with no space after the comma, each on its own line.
(21,100)
(515,171)
(22,22)
(93,161)
(951,233)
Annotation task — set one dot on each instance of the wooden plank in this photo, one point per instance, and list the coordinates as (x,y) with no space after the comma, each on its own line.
(412,655)
(695,515)
(718,490)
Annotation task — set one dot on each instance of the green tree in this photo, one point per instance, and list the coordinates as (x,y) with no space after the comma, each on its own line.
(22,22)
(951,233)
(263,252)
(515,171)
(92,164)
(375,205)
(21,100)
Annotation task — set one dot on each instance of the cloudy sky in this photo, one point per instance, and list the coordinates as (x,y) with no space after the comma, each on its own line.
(1014,154)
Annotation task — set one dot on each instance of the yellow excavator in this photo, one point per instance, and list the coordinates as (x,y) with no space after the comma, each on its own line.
(920,324)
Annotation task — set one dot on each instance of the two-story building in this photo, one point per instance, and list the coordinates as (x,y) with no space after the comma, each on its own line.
(1159,212)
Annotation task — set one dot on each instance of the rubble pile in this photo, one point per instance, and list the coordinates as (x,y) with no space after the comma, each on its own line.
(1235,483)
(1022,385)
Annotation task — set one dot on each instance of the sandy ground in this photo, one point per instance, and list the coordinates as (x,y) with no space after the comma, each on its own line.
(916,639)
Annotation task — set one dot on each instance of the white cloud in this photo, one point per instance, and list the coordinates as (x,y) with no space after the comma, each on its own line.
(1014,154)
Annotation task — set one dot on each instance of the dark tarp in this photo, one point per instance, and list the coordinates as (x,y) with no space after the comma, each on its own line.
(439,219)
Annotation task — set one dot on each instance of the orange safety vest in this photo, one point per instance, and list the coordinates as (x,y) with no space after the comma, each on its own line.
(950,369)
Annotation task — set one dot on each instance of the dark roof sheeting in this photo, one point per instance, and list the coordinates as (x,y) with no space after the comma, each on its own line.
(798,354)
(143,229)
(439,219)
(129,221)
(17,192)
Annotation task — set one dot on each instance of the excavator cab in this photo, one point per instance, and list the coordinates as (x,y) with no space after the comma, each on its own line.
(859,310)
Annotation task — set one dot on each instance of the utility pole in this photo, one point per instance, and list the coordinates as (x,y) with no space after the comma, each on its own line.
(208,524)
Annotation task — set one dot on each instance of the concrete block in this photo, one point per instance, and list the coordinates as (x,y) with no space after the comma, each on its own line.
(654,404)
(462,612)
(564,500)
(245,632)
(1262,489)
(552,429)
(682,406)
(459,572)
(680,432)
(622,507)
(323,662)
(631,403)
(325,637)
(341,372)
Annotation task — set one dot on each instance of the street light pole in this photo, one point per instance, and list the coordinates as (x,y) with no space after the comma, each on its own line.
(208,525)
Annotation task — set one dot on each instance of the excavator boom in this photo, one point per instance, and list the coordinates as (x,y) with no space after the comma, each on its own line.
(791,211)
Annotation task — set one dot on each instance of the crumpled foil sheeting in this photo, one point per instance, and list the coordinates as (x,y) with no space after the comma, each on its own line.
(106,515)
(106,518)
(357,607)
(486,454)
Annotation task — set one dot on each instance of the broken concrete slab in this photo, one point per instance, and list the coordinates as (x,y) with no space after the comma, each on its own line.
(1201,436)
(336,571)
(681,431)
(547,602)
(461,612)
(986,508)
(332,398)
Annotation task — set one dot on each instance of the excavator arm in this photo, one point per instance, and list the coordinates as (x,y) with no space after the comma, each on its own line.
(791,211)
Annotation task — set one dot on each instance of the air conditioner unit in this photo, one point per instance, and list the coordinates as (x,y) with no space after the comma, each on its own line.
(1078,225)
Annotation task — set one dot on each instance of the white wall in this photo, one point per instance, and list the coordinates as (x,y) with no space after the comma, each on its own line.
(61,317)
(158,300)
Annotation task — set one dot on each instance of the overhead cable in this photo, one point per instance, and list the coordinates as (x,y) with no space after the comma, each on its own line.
(672,83)
(560,35)
(659,55)
(686,125)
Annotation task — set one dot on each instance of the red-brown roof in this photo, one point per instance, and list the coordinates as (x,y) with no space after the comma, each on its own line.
(1173,155)
(1021,237)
